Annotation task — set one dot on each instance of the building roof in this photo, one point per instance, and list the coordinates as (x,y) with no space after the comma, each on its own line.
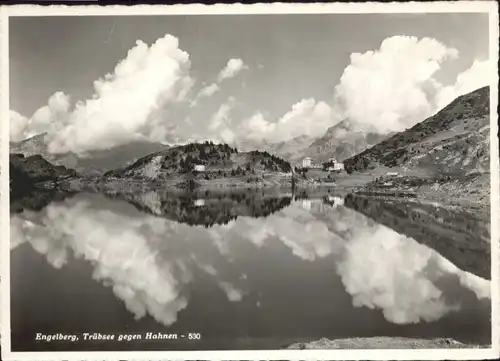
(307,158)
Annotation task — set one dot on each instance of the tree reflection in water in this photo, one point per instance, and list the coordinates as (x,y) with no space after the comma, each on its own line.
(208,208)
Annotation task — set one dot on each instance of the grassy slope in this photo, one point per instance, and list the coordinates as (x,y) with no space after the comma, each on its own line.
(453,141)
(444,158)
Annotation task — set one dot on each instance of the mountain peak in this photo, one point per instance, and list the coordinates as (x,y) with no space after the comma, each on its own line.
(342,141)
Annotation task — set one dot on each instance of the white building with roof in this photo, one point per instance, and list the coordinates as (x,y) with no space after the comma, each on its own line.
(307,162)
(199,202)
(338,166)
(334,165)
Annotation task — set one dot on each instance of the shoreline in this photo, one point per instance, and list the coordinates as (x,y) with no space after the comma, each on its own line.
(384,342)
(366,188)
(469,192)
(133,185)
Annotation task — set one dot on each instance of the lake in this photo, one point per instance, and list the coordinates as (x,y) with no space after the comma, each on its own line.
(243,270)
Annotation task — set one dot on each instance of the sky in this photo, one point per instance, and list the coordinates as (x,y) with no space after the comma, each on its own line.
(98,82)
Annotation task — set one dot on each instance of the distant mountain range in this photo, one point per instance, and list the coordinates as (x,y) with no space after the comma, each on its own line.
(342,141)
(95,162)
(292,150)
(452,142)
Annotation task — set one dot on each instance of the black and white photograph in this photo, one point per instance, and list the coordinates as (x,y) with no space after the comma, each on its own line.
(287,183)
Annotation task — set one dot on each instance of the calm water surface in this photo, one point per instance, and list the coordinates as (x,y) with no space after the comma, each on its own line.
(247,270)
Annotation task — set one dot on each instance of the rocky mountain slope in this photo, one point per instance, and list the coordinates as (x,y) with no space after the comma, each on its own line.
(95,162)
(342,141)
(291,150)
(452,142)
(27,172)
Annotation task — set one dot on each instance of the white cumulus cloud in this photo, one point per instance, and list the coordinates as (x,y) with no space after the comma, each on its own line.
(233,67)
(392,88)
(475,77)
(257,127)
(220,123)
(220,117)
(124,102)
(307,117)
(18,124)
(148,94)
(49,118)
(208,90)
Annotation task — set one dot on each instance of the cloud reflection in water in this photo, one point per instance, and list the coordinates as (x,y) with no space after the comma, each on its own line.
(118,247)
(148,261)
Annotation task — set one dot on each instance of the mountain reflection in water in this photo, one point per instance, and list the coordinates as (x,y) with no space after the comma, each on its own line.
(208,208)
(246,270)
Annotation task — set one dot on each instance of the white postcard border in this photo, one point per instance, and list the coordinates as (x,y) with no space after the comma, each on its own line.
(490,7)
